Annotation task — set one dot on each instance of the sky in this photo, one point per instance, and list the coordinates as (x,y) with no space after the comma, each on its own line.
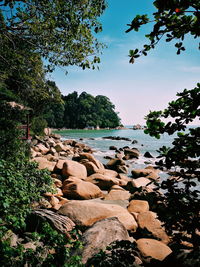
(135,89)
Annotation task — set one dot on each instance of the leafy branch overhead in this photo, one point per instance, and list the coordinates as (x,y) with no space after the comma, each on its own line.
(62,32)
(172,20)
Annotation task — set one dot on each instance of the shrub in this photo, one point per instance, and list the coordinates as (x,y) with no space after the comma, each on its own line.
(37,125)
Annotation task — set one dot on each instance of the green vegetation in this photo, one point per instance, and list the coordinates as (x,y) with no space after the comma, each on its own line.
(179,207)
(59,33)
(86,110)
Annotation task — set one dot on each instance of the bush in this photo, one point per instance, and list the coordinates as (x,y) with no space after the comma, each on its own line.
(21,184)
(37,125)
(11,146)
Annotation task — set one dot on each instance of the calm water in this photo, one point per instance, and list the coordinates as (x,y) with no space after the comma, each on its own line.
(94,139)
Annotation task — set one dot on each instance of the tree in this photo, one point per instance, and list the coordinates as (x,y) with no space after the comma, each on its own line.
(173,20)
(179,207)
(60,31)
(86,110)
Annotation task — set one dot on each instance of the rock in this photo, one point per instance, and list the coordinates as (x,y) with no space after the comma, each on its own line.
(134,142)
(102,181)
(69,142)
(100,235)
(131,153)
(114,164)
(142,181)
(138,206)
(148,155)
(91,167)
(56,136)
(117,194)
(47,131)
(78,189)
(45,164)
(153,248)
(86,213)
(91,158)
(109,173)
(73,168)
(148,172)
(147,220)
(53,201)
(42,149)
(122,169)
(113,148)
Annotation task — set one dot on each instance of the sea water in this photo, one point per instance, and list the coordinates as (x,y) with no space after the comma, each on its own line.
(100,146)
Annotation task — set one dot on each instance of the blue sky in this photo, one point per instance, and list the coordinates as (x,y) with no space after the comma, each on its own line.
(135,89)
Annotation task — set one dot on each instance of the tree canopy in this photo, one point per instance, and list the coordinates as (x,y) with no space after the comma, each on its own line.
(86,110)
(62,32)
(172,20)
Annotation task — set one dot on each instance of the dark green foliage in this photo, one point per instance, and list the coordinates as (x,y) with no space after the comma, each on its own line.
(51,249)
(37,125)
(182,195)
(11,146)
(60,31)
(119,253)
(22,183)
(173,20)
(86,110)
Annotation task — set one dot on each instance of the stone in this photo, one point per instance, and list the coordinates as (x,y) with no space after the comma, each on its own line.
(142,181)
(81,190)
(45,164)
(47,131)
(131,153)
(57,182)
(109,173)
(147,220)
(86,213)
(138,206)
(59,147)
(91,168)
(117,194)
(113,148)
(91,158)
(153,248)
(53,201)
(100,235)
(148,155)
(73,168)
(102,181)
(56,136)
(148,172)
(43,149)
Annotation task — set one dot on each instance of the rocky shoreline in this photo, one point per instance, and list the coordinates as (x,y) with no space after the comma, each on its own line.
(101,198)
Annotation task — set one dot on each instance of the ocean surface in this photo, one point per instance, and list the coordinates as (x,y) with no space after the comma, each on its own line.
(94,139)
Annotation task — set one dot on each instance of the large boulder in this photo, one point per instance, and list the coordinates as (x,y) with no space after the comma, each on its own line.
(147,220)
(116,164)
(117,193)
(73,168)
(102,181)
(43,163)
(100,235)
(42,149)
(148,172)
(90,167)
(140,182)
(92,159)
(138,206)
(86,213)
(75,188)
(153,248)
